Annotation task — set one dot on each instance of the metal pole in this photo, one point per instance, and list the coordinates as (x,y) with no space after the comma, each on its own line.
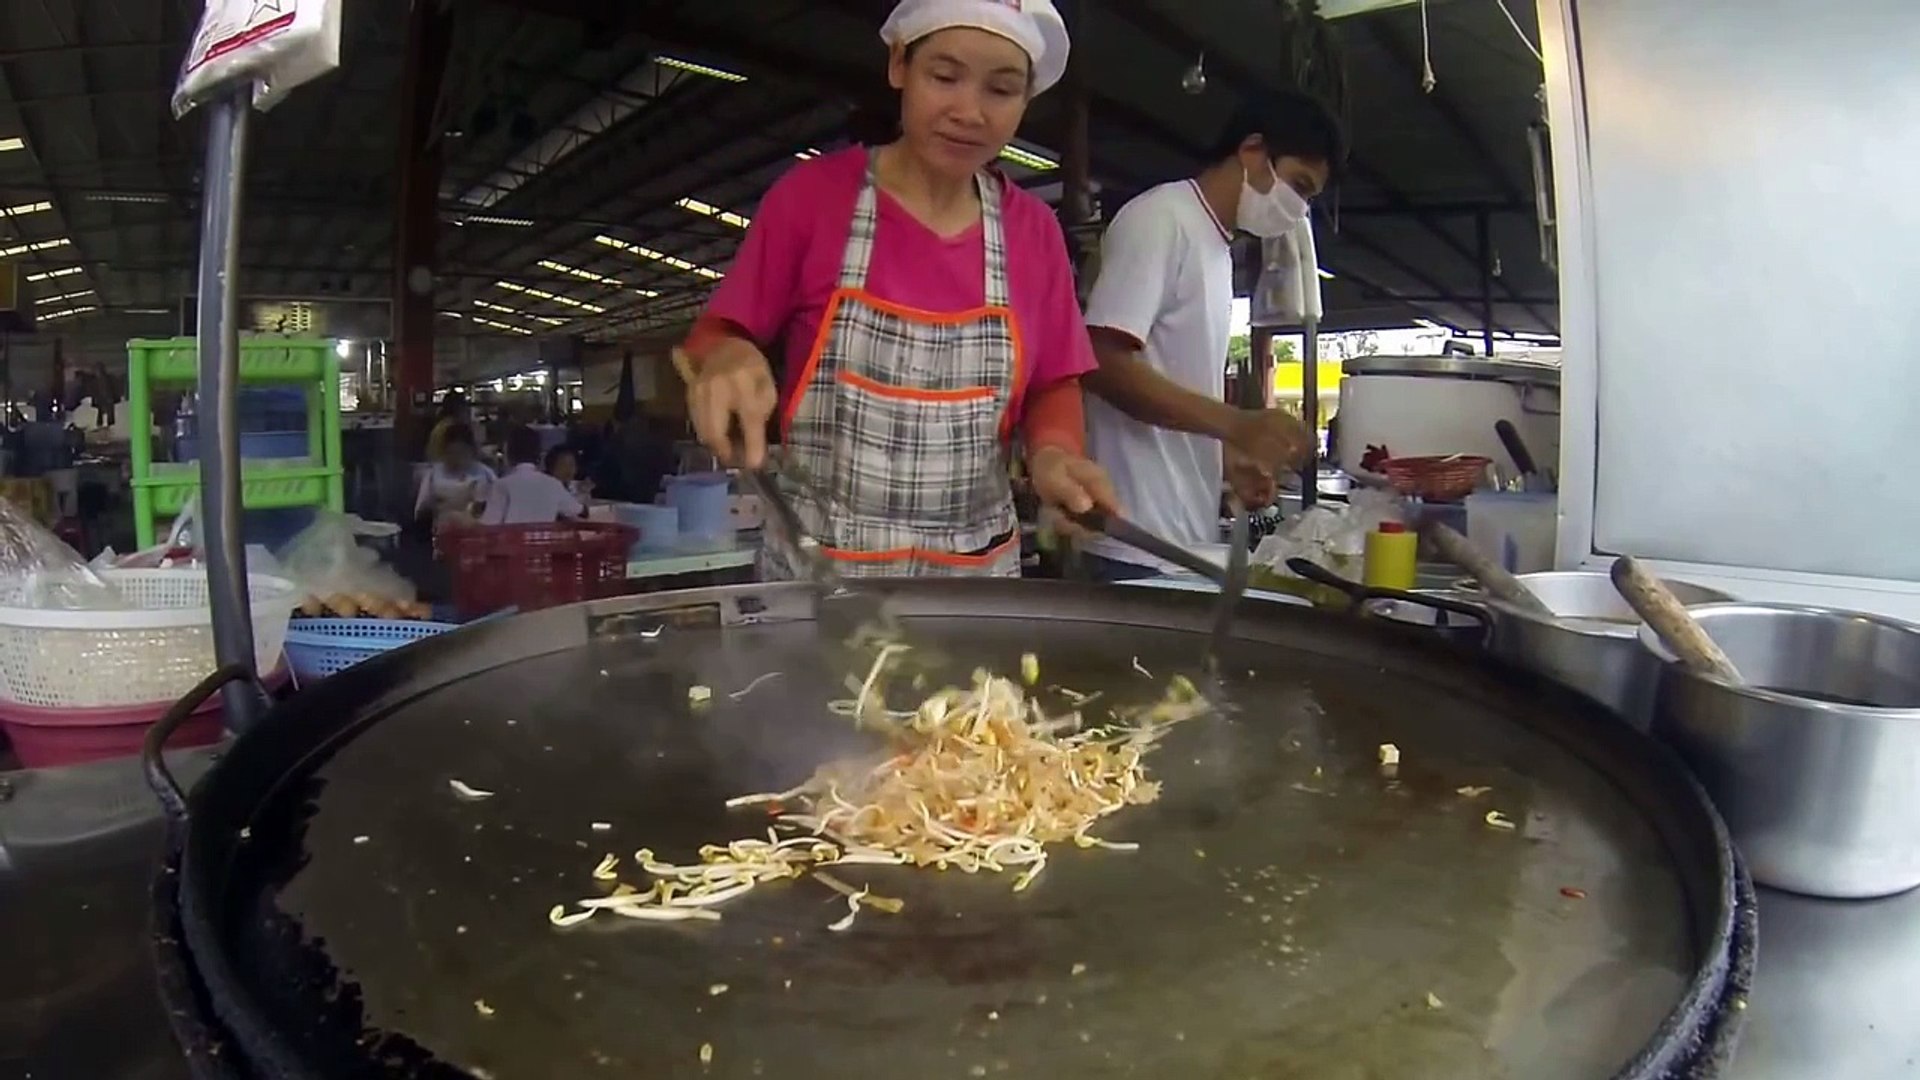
(1483,232)
(217,413)
(1310,407)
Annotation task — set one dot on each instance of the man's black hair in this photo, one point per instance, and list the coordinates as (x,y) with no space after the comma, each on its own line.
(559,451)
(523,446)
(1291,124)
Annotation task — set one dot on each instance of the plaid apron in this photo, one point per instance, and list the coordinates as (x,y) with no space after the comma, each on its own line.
(902,417)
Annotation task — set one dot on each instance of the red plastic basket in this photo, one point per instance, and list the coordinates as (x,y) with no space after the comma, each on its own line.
(1442,479)
(48,738)
(530,567)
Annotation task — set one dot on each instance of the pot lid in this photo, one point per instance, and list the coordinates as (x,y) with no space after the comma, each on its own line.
(1500,369)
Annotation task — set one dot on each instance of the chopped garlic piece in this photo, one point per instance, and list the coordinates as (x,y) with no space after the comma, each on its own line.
(1389,754)
(699,695)
(468,791)
(602,826)
(1496,819)
(1471,792)
(1434,1002)
(482,1007)
(706,1053)
(1030,669)
(717,989)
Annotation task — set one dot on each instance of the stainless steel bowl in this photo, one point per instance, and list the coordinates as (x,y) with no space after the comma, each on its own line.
(1590,643)
(1815,763)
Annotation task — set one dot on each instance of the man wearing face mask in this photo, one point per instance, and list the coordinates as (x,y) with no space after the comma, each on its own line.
(1161,315)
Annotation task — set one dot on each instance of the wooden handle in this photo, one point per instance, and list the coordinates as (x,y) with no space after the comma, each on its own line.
(1491,575)
(1663,611)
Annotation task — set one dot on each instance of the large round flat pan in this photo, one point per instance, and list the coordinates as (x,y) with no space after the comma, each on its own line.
(1292,912)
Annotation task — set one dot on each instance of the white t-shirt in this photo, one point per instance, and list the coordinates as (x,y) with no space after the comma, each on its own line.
(443,491)
(527,496)
(1166,280)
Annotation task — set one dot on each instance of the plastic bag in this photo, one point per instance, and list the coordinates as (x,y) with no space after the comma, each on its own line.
(277,46)
(39,570)
(1329,534)
(327,561)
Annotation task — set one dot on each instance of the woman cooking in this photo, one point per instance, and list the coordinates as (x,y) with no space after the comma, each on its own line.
(929,312)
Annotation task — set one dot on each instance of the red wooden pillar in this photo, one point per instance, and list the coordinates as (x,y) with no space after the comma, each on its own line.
(416,213)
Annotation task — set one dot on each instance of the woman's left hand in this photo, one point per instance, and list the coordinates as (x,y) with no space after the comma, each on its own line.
(1070,482)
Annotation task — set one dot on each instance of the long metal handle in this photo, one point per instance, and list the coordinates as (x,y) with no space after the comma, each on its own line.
(1359,594)
(153,760)
(1126,532)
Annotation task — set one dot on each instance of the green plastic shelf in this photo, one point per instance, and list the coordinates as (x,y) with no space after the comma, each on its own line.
(162,490)
(265,484)
(176,361)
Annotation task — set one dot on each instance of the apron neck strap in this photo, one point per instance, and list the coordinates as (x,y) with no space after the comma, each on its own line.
(866,222)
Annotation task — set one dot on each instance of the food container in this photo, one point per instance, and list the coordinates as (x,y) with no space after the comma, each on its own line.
(1514,529)
(1592,643)
(1815,760)
(705,502)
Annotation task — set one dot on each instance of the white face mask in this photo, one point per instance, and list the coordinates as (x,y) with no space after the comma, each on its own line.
(1271,213)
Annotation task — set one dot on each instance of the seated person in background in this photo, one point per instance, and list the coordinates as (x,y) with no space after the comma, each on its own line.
(456,483)
(564,465)
(527,496)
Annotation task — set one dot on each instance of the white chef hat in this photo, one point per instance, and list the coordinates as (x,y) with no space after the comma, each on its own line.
(1034,25)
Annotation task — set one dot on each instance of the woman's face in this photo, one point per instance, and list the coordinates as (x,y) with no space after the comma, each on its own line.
(963,94)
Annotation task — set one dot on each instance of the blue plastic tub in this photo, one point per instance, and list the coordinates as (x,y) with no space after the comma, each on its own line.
(659,527)
(317,648)
(705,502)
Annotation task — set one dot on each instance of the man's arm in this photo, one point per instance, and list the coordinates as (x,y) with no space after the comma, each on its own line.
(1127,382)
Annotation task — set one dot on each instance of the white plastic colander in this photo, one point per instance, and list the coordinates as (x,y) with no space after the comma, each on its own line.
(149,653)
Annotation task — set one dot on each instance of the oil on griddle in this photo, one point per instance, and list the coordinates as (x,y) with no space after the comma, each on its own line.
(1293,911)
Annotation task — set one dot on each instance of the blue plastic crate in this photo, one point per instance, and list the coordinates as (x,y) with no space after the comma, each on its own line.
(317,648)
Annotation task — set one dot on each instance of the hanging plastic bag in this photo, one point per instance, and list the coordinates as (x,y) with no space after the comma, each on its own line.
(39,570)
(340,576)
(274,44)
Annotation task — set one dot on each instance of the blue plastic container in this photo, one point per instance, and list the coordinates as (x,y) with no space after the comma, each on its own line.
(317,648)
(659,527)
(705,502)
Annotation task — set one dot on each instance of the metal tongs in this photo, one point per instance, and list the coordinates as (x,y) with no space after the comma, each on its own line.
(1231,578)
(841,611)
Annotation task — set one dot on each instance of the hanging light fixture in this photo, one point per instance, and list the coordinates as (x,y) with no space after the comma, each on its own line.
(1195,80)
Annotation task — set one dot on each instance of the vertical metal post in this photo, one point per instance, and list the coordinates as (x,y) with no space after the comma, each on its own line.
(1310,406)
(1483,233)
(228,119)
(416,256)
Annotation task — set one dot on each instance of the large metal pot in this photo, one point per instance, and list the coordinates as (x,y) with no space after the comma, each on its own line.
(1419,405)
(1590,645)
(1815,762)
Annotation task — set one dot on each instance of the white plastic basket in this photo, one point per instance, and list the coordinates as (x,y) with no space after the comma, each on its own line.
(148,654)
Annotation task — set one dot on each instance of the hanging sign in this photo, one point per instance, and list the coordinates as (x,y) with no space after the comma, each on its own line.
(274,44)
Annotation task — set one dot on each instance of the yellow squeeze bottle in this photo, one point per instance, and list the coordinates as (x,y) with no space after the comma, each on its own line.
(1392,557)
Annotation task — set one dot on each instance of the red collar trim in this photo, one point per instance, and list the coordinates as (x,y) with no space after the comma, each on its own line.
(1226,234)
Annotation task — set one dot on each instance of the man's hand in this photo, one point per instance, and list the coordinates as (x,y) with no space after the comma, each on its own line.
(1070,483)
(1273,439)
(1252,484)
(734,389)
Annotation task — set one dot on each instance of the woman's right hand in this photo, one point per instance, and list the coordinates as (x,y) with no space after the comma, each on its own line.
(733,390)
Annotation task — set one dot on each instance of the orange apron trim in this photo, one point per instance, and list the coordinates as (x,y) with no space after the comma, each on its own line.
(908,393)
(938,558)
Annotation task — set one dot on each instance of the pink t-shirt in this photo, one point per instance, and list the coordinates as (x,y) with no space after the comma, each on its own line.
(789,265)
